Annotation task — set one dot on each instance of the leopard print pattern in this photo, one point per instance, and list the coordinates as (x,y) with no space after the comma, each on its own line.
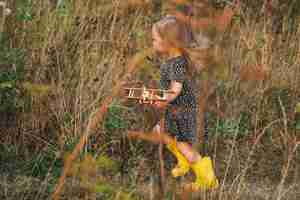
(182,123)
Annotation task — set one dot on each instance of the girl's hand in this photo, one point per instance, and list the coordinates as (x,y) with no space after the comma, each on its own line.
(160,104)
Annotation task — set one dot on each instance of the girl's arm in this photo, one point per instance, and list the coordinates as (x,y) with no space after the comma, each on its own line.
(175,88)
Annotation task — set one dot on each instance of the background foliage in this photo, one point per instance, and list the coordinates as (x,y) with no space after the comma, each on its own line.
(59,59)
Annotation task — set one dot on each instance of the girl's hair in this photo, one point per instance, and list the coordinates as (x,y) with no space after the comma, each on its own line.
(179,35)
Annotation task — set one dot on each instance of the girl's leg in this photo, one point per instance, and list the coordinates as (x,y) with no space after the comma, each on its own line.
(156,137)
(183,165)
(187,150)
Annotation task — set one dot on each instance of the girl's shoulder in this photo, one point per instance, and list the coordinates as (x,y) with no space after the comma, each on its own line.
(177,61)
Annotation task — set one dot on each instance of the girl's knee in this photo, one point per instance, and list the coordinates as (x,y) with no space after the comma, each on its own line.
(188,151)
(157,128)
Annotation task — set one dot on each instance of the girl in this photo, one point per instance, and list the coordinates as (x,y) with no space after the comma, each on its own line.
(171,39)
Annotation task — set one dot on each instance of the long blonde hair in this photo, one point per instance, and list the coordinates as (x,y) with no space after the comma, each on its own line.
(179,35)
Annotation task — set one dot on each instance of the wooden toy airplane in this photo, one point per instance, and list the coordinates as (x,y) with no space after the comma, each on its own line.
(146,95)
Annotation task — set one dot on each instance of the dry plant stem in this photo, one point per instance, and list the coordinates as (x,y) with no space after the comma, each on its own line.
(285,123)
(242,176)
(151,189)
(47,178)
(280,193)
(228,164)
(290,152)
(161,162)
(2,23)
(94,120)
(266,49)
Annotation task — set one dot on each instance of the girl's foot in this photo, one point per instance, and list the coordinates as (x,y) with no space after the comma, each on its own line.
(183,166)
(205,176)
(180,170)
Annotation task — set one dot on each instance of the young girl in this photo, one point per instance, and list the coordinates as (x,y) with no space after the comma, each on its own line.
(171,39)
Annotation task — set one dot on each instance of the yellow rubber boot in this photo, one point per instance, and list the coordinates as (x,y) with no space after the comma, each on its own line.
(183,166)
(205,176)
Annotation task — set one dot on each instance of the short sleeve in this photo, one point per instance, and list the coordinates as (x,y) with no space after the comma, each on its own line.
(178,71)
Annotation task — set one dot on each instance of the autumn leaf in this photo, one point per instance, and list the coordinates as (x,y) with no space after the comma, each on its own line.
(252,73)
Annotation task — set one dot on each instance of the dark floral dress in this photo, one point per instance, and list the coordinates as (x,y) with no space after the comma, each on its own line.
(180,115)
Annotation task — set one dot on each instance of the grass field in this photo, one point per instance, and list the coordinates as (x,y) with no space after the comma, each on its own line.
(61,65)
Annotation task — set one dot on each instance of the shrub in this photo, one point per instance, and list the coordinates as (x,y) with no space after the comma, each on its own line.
(11,73)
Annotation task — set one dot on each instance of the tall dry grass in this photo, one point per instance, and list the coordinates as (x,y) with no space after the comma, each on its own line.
(80,50)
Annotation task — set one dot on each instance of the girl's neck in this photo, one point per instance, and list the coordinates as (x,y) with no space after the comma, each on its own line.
(174,52)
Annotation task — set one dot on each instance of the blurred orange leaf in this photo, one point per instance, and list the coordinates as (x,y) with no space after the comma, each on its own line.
(252,73)
(222,21)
